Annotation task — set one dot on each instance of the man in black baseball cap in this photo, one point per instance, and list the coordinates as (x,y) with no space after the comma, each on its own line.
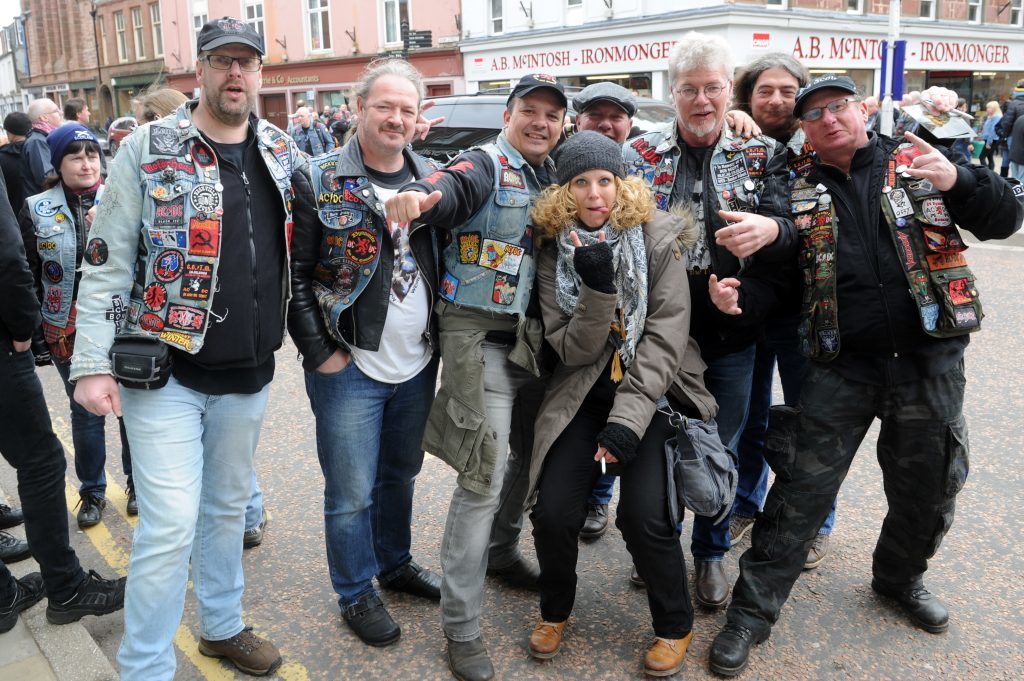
(535,81)
(826,82)
(606,108)
(228,31)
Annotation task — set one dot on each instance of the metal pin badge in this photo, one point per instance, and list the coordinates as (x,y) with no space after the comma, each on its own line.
(886,189)
(219,187)
(901,222)
(902,168)
(183,124)
(820,188)
(748,185)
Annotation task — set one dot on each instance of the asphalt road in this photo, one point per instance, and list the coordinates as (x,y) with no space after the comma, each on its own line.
(833,626)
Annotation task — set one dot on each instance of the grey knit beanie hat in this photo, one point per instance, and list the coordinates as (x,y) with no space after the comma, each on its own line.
(588,150)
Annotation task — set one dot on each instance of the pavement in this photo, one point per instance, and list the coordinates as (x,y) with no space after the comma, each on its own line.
(833,626)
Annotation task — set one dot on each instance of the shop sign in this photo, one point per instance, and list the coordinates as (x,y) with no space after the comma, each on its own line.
(279,79)
(578,58)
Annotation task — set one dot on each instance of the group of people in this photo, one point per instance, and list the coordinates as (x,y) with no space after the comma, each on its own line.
(316,135)
(568,289)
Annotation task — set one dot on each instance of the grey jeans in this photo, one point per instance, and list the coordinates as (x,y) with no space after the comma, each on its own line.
(467,532)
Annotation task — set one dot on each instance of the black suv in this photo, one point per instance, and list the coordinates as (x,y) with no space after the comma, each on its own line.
(472,120)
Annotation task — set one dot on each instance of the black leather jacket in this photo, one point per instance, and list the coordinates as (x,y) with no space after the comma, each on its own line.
(19,306)
(361,323)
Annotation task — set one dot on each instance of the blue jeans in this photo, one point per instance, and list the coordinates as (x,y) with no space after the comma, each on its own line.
(728,379)
(88,433)
(602,492)
(467,531)
(368,437)
(254,511)
(780,344)
(193,456)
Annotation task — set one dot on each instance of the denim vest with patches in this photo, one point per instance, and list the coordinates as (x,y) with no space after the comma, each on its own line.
(57,244)
(179,249)
(489,264)
(930,249)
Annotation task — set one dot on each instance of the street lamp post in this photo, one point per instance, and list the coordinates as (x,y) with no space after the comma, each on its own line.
(99,68)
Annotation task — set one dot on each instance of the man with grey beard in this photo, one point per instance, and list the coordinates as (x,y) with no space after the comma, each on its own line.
(193,232)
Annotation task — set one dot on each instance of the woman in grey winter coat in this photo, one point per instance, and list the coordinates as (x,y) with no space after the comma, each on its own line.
(615,302)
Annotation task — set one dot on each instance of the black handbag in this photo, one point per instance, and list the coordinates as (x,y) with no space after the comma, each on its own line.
(702,473)
(140,362)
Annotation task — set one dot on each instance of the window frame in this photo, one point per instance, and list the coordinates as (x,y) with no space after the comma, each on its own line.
(495,21)
(258,23)
(156,25)
(122,39)
(933,5)
(138,33)
(398,4)
(979,7)
(1019,9)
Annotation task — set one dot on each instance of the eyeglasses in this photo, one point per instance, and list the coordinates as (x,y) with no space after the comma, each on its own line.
(838,106)
(222,62)
(688,92)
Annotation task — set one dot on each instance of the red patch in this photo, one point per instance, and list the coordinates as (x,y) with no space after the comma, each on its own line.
(945,261)
(155,296)
(203,237)
(361,247)
(151,322)
(462,166)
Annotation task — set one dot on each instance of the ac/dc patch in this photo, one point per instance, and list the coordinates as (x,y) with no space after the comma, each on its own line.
(757,159)
(185,318)
(504,289)
(164,142)
(53,271)
(155,296)
(469,248)
(168,265)
(934,211)
(361,247)
(501,256)
(96,252)
(449,286)
(169,213)
(511,178)
(195,283)
(203,237)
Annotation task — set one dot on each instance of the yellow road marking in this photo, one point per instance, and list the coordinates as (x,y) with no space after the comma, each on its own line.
(117,558)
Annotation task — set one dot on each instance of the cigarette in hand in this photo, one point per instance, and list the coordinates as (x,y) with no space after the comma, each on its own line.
(604,468)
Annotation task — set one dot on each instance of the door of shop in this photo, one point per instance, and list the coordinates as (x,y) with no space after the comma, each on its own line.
(275,109)
(960,82)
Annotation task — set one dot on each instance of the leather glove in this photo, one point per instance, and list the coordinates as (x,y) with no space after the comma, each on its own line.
(594,265)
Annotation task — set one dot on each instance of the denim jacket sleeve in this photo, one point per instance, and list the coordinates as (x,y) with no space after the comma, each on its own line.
(107,284)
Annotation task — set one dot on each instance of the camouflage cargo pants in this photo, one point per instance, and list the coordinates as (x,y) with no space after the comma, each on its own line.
(922,451)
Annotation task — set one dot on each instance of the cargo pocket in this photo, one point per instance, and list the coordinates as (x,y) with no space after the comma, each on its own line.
(957,458)
(458,435)
(780,439)
(958,297)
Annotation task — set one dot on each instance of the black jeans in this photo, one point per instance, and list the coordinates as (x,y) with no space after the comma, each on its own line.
(922,451)
(30,446)
(643,516)
(987,157)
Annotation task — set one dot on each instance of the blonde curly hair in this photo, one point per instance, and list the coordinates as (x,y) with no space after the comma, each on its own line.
(555,209)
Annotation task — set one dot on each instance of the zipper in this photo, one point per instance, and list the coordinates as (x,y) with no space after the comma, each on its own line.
(252,253)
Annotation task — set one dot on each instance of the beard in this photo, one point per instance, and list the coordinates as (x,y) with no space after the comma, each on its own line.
(701,130)
(227,111)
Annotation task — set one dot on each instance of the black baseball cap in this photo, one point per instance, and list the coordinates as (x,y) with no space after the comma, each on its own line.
(534,81)
(228,31)
(826,82)
(605,92)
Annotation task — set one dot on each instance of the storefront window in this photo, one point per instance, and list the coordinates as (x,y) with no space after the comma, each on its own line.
(332,99)
(319,25)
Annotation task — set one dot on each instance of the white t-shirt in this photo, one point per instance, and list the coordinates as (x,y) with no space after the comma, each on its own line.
(403,350)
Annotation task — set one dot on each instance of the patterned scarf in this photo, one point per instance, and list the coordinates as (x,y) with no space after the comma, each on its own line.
(630,261)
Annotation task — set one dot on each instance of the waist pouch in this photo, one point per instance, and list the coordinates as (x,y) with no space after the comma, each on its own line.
(702,472)
(140,362)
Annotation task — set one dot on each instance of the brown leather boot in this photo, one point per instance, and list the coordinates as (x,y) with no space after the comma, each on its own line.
(712,589)
(665,657)
(546,639)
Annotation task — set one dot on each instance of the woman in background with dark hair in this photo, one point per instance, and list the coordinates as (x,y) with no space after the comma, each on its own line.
(54,229)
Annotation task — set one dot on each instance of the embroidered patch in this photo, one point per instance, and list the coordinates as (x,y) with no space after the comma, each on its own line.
(646,151)
(943,239)
(934,211)
(185,318)
(803,222)
(906,251)
(920,288)
(945,261)
(202,154)
(805,205)
(151,322)
(1018,188)
(511,178)
(164,141)
(345,281)
(661,201)
(203,237)
(53,271)
(47,245)
(205,198)
(168,265)
(526,243)
(177,339)
(449,286)
(195,283)
(45,208)
(729,174)
(900,203)
(53,297)
(965,317)
(929,316)
(361,247)
(905,154)
(801,165)
(155,297)
(828,339)
(757,159)
(804,194)
(96,252)
(162,165)
(328,179)
(168,238)
(504,289)
(134,307)
(823,266)
(469,248)
(117,312)
(501,256)
(961,293)
(169,213)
